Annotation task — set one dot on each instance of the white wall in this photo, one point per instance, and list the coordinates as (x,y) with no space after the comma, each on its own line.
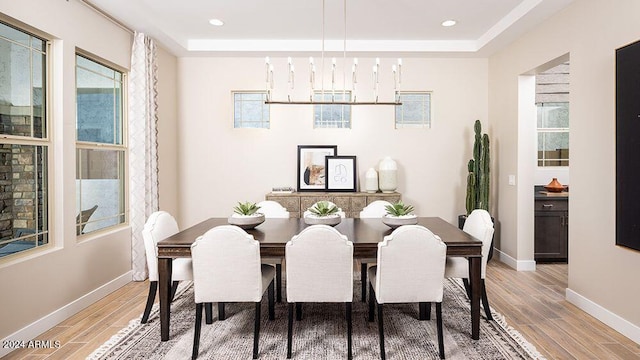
(220,165)
(167,131)
(41,289)
(602,276)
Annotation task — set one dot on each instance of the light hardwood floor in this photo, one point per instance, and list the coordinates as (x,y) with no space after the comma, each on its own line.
(532,303)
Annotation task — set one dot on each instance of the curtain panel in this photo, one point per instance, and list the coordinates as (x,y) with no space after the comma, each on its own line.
(143,146)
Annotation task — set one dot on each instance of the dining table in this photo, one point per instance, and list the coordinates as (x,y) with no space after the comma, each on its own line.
(365,234)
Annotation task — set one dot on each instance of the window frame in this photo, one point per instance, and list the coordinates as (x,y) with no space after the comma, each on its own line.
(319,107)
(43,142)
(399,124)
(122,148)
(268,107)
(540,161)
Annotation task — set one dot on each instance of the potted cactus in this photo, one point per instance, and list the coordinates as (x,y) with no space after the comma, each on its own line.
(246,215)
(478,178)
(323,212)
(399,214)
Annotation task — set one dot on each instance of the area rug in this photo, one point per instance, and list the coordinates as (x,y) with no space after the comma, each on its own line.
(321,334)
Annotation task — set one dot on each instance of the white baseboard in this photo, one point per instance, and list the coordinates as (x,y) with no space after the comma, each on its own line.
(614,321)
(47,322)
(519,265)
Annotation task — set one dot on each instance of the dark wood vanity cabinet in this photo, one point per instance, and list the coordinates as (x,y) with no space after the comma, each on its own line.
(551,229)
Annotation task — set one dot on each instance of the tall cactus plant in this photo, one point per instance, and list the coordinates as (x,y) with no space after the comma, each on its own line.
(478,178)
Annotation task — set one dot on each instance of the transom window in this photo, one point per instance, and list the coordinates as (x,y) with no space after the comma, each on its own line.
(100,154)
(24,146)
(553,134)
(249,110)
(415,110)
(332,116)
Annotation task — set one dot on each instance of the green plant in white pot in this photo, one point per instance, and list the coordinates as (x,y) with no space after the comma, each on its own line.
(323,212)
(246,215)
(399,214)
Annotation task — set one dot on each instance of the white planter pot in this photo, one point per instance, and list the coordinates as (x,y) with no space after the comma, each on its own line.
(397,221)
(331,220)
(246,221)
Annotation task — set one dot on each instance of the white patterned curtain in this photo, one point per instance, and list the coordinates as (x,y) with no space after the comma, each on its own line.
(143,147)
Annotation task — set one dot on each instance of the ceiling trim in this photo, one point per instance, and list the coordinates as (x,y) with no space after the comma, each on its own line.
(352,46)
(509,20)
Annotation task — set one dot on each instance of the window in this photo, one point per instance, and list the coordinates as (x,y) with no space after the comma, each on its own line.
(415,110)
(553,134)
(332,116)
(100,154)
(249,110)
(24,145)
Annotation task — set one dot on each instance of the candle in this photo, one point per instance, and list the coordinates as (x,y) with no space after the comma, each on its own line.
(395,77)
(266,62)
(271,76)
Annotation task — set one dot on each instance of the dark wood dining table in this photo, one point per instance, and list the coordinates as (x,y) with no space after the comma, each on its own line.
(365,234)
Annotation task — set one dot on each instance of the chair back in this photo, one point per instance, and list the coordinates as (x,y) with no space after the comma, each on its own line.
(480,226)
(226,266)
(410,266)
(340,212)
(272,209)
(319,266)
(159,226)
(376,209)
(83,217)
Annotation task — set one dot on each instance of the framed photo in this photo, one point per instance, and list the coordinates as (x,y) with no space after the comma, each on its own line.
(341,173)
(311,166)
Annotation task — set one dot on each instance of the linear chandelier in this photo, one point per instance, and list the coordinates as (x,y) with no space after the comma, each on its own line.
(396,70)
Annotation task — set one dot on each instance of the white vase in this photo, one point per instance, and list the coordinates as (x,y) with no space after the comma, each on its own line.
(388,175)
(371,181)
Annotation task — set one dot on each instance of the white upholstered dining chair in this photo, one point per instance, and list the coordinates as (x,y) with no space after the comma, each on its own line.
(319,269)
(159,226)
(410,269)
(376,209)
(480,226)
(273,209)
(227,268)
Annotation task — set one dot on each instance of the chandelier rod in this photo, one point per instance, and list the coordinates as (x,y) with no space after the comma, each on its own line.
(271,102)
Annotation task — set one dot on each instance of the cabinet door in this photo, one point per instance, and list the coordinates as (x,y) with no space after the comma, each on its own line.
(551,235)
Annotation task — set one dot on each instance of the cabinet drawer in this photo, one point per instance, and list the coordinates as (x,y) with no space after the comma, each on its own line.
(343,202)
(308,201)
(292,204)
(392,198)
(551,205)
(358,203)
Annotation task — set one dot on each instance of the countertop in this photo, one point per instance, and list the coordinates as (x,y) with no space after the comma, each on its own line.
(541,193)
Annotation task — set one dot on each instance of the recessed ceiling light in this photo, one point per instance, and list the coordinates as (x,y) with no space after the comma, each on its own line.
(448,23)
(216,22)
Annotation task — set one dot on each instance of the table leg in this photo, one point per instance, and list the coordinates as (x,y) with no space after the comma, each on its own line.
(475,264)
(164,274)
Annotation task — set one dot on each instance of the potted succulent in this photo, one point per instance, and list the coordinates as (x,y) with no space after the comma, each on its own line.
(399,214)
(246,215)
(323,212)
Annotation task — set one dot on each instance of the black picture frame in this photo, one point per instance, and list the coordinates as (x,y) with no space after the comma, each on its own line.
(311,166)
(341,173)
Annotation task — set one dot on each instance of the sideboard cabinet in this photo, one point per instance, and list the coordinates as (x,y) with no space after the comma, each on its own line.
(350,202)
(551,228)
